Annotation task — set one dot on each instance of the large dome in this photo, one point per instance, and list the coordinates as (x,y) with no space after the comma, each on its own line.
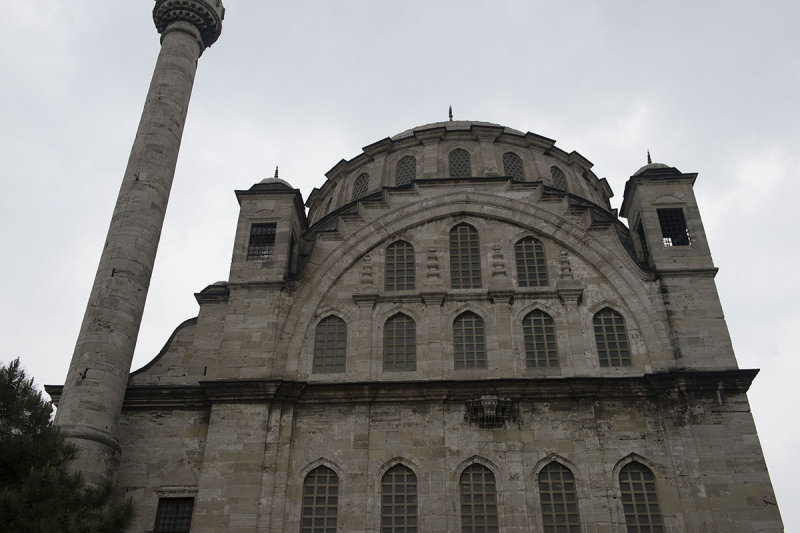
(453,125)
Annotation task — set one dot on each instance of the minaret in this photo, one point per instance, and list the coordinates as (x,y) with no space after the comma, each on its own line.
(91,402)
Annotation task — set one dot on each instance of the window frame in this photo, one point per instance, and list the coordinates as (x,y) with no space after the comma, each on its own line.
(472,349)
(461,167)
(408,347)
(513,159)
(465,257)
(360,186)
(534,358)
(654,521)
(392,271)
(261,246)
(163,507)
(487,500)
(407,174)
(616,347)
(321,355)
(315,496)
(550,487)
(399,503)
(533,261)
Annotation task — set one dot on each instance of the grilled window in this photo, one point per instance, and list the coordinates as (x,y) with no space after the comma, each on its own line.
(174,515)
(465,257)
(262,241)
(406,170)
(540,340)
(531,264)
(400,268)
(399,501)
(400,343)
(673,227)
(478,500)
(360,186)
(330,345)
(469,341)
(559,179)
(320,501)
(512,166)
(459,164)
(639,499)
(558,499)
(612,341)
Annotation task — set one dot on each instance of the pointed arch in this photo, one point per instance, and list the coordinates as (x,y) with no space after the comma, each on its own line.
(459,163)
(465,257)
(559,179)
(512,166)
(558,499)
(399,500)
(320,503)
(399,343)
(360,186)
(400,267)
(613,348)
(469,341)
(405,170)
(478,496)
(639,497)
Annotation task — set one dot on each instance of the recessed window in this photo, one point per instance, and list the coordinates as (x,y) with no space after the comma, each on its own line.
(558,499)
(478,500)
(612,341)
(360,186)
(400,269)
(643,243)
(400,343)
(262,241)
(399,501)
(512,166)
(531,264)
(469,341)
(540,340)
(559,179)
(673,227)
(465,257)
(639,499)
(459,164)
(320,501)
(330,345)
(406,170)
(174,515)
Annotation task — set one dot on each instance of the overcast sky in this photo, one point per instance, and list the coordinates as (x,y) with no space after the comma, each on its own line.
(707,87)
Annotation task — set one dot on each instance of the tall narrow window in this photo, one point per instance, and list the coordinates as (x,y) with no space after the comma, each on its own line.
(478,500)
(459,164)
(360,186)
(639,499)
(540,340)
(531,264)
(512,166)
(400,269)
(291,262)
(400,343)
(642,242)
(399,501)
(320,501)
(673,227)
(465,257)
(262,240)
(174,515)
(406,170)
(559,179)
(330,345)
(469,341)
(612,341)
(558,499)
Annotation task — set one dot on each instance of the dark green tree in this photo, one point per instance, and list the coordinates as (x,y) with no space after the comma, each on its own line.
(38,492)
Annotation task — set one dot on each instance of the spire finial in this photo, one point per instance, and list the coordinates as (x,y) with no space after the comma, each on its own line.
(649,161)
(451,113)
(276,171)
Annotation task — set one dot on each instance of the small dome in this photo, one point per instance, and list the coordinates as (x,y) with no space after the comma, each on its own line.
(651,166)
(275,181)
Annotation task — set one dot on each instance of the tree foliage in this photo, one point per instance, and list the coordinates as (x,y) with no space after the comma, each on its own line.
(38,492)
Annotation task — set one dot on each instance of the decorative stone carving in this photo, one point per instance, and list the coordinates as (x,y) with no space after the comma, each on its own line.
(432,265)
(205,15)
(366,271)
(498,262)
(490,411)
(564,268)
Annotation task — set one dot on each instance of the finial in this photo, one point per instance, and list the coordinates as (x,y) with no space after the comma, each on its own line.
(276,171)
(451,113)
(649,161)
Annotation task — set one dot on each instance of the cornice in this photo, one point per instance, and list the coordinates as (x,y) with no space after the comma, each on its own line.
(205,15)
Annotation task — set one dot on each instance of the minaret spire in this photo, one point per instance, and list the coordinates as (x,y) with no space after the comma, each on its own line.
(451,113)
(649,160)
(276,171)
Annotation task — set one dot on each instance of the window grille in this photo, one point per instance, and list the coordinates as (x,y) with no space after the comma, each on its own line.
(465,257)
(612,341)
(512,166)
(174,515)
(559,179)
(399,501)
(360,186)
(540,340)
(469,341)
(330,345)
(531,264)
(639,499)
(400,343)
(478,500)
(459,164)
(558,499)
(262,241)
(400,267)
(673,227)
(320,501)
(406,170)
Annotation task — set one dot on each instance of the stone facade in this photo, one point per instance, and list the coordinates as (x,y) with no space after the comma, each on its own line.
(247,401)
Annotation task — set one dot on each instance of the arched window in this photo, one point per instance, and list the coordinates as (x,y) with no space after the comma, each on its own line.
(639,499)
(612,341)
(400,267)
(330,345)
(559,179)
(531,264)
(320,501)
(406,170)
(360,186)
(540,340)
(459,164)
(465,257)
(400,343)
(478,500)
(558,499)
(399,501)
(512,166)
(469,341)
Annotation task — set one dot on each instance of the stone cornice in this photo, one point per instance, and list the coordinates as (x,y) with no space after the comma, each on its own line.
(205,15)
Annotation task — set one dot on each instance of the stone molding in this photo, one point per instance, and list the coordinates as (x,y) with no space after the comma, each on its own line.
(199,13)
